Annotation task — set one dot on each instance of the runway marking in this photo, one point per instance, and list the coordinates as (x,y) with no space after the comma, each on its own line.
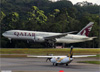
(6,71)
(61,71)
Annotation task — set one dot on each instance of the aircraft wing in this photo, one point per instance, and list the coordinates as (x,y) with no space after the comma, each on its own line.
(75,56)
(58,36)
(44,56)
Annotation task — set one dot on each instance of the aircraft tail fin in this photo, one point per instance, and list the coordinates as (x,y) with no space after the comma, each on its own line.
(71,52)
(86,30)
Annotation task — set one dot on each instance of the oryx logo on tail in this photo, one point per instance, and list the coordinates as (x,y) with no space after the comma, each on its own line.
(85,31)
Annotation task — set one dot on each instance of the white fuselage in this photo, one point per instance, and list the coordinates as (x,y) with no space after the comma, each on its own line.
(62,60)
(39,36)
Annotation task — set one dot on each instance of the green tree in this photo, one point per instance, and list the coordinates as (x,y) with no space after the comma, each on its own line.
(36,18)
(2,15)
(10,21)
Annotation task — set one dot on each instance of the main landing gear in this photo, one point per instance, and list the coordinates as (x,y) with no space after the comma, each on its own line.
(55,64)
(9,39)
(51,43)
(66,64)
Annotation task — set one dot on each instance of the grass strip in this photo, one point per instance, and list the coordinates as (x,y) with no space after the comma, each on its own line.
(90,62)
(76,51)
(13,56)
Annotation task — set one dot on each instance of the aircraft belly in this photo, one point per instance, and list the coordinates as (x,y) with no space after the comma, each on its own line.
(63,41)
(68,41)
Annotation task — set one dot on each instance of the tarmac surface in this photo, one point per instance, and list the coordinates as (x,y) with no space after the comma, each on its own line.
(40,65)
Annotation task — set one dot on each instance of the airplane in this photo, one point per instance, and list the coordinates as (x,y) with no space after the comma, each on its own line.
(50,37)
(61,60)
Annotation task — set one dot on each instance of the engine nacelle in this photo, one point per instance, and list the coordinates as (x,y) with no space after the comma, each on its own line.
(53,60)
(39,39)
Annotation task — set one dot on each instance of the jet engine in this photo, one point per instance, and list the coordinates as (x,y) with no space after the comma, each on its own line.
(39,39)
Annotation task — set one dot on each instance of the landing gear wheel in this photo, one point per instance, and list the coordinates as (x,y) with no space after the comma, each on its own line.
(56,64)
(53,64)
(53,45)
(66,64)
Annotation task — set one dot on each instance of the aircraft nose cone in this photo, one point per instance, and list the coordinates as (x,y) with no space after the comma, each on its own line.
(3,34)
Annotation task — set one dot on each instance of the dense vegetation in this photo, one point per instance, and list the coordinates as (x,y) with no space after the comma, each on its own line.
(43,15)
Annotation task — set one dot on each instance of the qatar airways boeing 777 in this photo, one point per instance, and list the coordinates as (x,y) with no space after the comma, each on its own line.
(37,36)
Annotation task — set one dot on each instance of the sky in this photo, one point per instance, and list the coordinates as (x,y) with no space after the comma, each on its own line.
(93,1)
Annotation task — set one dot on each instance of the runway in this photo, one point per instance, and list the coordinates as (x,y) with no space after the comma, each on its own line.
(40,65)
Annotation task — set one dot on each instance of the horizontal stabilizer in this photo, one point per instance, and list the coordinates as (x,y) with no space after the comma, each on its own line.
(91,38)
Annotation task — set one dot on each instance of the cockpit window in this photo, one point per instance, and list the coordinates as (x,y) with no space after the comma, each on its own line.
(6,32)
